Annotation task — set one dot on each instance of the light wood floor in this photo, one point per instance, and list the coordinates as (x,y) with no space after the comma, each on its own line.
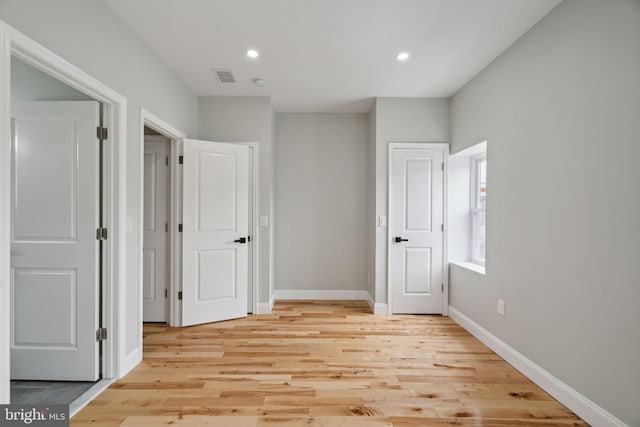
(322,364)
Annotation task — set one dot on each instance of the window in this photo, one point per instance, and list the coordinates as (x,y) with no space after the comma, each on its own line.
(478,207)
(466,206)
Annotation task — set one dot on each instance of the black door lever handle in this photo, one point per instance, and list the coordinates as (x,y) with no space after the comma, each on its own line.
(400,239)
(241,240)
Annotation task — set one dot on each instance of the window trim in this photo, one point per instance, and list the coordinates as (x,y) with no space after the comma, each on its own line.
(474,209)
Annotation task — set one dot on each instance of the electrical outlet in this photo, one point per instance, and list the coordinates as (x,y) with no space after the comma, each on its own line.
(501,307)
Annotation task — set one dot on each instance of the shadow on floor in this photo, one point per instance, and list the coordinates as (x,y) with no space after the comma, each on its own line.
(50,392)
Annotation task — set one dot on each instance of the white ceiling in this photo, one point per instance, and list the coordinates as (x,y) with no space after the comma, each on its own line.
(330,55)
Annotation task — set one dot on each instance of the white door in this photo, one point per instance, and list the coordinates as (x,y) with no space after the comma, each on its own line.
(156,233)
(416,247)
(215,227)
(54,251)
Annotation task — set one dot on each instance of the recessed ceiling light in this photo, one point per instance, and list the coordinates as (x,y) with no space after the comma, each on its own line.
(402,56)
(252,53)
(260,82)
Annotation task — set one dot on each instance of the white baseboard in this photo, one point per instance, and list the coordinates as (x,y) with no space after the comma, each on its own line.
(372,304)
(377,308)
(129,362)
(304,294)
(381,309)
(583,407)
(352,295)
(266,307)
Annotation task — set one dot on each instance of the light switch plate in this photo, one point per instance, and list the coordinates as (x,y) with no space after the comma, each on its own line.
(382,221)
(264,220)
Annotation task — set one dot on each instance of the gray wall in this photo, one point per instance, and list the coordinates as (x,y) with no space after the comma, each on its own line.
(321,201)
(561,112)
(91,36)
(246,119)
(401,120)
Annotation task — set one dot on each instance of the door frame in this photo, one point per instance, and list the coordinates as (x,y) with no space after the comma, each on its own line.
(175,137)
(115,363)
(253,209)
(445,259)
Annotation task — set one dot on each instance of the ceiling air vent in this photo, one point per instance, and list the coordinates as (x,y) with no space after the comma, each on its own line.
(224,76)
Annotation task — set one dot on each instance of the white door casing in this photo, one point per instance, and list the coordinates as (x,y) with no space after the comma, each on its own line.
(54,251)
(416,205)
(156,229)
(251,283)
(116,360)
(215,221)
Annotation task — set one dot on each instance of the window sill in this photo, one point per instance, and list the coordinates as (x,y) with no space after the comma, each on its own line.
(470,266)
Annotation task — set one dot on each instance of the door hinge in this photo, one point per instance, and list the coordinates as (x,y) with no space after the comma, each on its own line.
(101,334)
(179,228)
(443,287)
(166,293)
(248,238)
(181,159)
(179,294)
(166,160)
(442,227)
(101,233)
(102,133)
(442,165)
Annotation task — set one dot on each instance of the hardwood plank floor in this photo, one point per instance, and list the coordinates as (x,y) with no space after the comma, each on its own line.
(327,363)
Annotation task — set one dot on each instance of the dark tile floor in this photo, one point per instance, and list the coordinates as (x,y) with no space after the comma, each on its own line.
(52,392)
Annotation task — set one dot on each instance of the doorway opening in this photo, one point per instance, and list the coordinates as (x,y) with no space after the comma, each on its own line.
(57,249)
(157,212)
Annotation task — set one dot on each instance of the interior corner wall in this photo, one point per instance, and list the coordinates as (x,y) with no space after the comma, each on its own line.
(247,119)
(321,203)
(560,110)
(371,203)
(272,182)
(89,34)
(401,120)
